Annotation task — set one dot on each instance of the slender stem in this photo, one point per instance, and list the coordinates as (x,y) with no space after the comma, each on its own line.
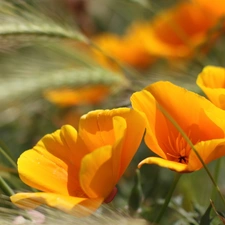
(193,148)
(168,198)
(8,158)
(6,187)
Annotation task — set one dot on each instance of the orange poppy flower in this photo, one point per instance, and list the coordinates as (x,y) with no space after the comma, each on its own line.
(177,31)
(202,122)
(80,96)
(215,10)
(212,82)
(79,170)
(127,50)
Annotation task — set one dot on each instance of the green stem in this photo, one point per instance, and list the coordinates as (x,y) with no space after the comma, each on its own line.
(8,158)
(168,198)
(193,148)
(6,187)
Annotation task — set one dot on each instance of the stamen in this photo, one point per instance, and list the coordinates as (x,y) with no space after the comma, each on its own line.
(174,156)
(178,148)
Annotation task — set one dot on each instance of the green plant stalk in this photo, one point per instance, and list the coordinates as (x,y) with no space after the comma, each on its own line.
(168,198)
(4,186)
(8,158)
(193,148)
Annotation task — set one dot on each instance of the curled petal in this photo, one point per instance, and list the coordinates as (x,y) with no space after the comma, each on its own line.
(176,166)
(97,127)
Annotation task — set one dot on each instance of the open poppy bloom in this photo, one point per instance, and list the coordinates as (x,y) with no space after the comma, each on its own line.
(178,31)
(202,122)
(77,171)
(212,82)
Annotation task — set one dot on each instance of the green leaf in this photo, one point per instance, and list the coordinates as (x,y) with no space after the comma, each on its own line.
(206,220)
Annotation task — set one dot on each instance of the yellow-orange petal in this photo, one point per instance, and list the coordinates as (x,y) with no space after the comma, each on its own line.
(97,127)
(123,128)
(176,166)
(96,173)
(212,82)
(53,164)
(68,204)
(156,125)
(208,150)
(132,137)
(192,110)
(120,130)
(194,116)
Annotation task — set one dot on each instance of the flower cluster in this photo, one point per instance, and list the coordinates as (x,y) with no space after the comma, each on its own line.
(79,169)
(178,32)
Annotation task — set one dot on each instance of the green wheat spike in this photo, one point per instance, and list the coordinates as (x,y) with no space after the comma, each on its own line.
(27,24)
(20,87)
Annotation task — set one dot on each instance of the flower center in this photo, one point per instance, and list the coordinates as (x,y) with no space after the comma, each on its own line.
(178,149)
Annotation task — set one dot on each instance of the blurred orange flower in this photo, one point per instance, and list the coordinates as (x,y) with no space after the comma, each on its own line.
(212,82)
(79,170)
(127,50)
(178,31)
(202,122)
(215,10)
(79,96)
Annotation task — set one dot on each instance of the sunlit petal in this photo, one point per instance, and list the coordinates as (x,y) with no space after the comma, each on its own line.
(198,118)
(132,135)
(52,165)
(96,173)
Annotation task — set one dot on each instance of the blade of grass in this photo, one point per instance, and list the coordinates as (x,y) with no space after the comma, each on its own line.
(10,160)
